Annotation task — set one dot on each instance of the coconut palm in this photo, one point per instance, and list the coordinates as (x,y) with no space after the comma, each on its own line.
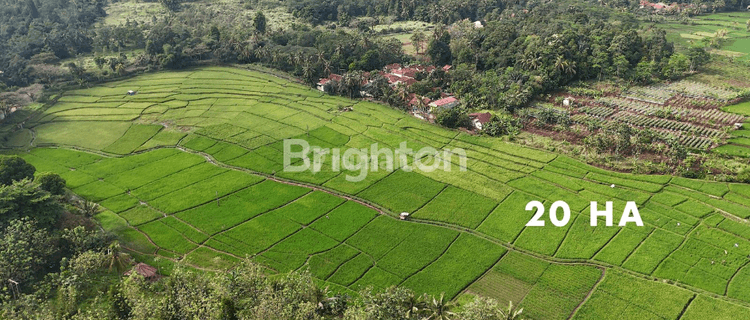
(439,309)
(512,313)
(116,258)
(415,305)
(88,208)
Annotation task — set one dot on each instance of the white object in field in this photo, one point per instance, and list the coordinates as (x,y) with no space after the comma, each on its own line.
(404,215)
(736,245)
(678,224)
(612,186)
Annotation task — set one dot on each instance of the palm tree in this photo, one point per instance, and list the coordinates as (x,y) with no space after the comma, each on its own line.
(308,73)
(88,208)
(415,305)
(116,258)
(416,40)
(531,62)
(512,313)
(440,309)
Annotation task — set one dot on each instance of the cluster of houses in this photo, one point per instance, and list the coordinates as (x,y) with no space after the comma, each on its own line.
(398,75)
(674,7)
(419,106)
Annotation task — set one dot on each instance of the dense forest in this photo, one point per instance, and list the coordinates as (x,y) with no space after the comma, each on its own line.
(518,42)
(449,11)
(34,31)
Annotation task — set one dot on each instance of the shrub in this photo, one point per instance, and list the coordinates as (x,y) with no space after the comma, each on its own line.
(504,125)
(453,118)
(15,168)
(52,183)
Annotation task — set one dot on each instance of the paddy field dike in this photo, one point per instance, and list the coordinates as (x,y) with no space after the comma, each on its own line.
(190,169)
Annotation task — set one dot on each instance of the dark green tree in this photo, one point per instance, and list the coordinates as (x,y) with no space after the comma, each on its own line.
(51,182)
(439,49)
(24,252)
(453,118)
(25,199)
(259,21)
(14,168)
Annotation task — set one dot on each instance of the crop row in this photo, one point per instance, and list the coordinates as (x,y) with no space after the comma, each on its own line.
(659,94)
(653,94)
(644,121)
(683,113)
(699,90)
(601,112)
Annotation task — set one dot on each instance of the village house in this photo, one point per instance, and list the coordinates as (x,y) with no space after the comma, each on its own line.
(146,271)
(480,119)
(398,75)
(322,83)
(443,104)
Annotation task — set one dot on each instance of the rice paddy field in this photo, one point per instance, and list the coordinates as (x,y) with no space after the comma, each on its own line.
(736,43)
(191,169)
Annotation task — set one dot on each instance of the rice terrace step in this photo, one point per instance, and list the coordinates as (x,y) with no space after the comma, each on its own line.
(467,232)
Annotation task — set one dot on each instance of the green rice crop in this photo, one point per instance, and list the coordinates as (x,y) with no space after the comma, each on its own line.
(166,237)
(244,205)
(176,181)
(204,191)
(403,191)
(140,215)
(324,264)
(256,235)
(135,137)
(652,251)
(457,206)
(310,207)
(450,273)
(377,279)
(352,270)
(344,221)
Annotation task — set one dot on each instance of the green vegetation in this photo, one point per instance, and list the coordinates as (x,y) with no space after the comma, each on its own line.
(173,204)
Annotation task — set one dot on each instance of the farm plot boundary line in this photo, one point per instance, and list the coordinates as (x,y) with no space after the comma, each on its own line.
(588,294)
(684,309)
(508,246)
(440,256)
(582,262)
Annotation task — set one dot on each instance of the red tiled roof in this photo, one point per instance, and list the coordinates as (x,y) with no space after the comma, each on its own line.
(444,101)
(408,81)
(408,72)
(414,101)
(481,117)
(144,270)
(446,67)
(393,66)
(392,78)
(333,76)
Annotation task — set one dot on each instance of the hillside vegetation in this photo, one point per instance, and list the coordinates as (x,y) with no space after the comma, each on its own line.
(190,169)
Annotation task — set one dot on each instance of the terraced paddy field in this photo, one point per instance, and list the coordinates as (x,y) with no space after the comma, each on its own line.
(735,44)
(191,169)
